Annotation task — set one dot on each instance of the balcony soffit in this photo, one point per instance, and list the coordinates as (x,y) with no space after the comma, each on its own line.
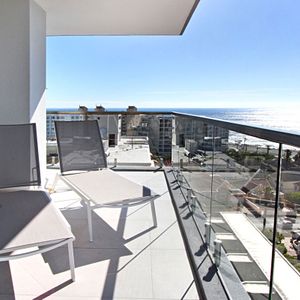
(117,17)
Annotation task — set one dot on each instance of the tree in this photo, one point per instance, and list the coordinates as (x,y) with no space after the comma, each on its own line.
(293,197)
(269,193)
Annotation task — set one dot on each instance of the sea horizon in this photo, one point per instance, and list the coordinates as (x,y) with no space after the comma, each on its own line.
(281,119)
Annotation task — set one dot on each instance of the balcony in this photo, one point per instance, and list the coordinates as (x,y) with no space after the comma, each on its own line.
(227,220)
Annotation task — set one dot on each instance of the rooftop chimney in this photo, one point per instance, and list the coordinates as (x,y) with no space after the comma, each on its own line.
(99,108)
(131,108)
(83,109)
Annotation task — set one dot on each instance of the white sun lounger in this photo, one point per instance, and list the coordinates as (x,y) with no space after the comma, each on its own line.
(84,168)
(29,222)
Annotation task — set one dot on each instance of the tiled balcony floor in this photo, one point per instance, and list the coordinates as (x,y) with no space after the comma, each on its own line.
(129,259)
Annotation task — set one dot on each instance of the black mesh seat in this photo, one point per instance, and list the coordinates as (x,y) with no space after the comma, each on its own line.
(84,168)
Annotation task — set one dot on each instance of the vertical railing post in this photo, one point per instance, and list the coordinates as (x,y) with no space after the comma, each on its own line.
(207,233)
(212,173)
(193,203)
(278,179)
(52,160)
(217,252)
(107,129)
(181,163)
(189,194)
(161,162)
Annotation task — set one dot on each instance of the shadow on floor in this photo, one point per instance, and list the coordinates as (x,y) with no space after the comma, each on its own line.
(6,283)
(108,245)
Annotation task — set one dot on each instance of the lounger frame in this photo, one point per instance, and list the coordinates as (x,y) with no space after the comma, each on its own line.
(6,188)
(101,163)
(91,205)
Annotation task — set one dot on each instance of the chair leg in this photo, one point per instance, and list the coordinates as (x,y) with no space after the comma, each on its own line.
(153,213)
(71,259)
(52,189)
(89,217)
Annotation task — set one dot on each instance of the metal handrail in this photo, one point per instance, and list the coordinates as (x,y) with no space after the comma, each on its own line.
(275,136)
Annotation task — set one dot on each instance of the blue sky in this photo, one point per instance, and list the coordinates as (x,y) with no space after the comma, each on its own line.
(233,54)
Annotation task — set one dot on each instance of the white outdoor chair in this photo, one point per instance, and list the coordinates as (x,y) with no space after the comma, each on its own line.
(84,169)
(29,222)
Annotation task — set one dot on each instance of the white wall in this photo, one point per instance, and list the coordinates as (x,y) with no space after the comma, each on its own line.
(37,55)
(37,99)
(14,61)
(23,66)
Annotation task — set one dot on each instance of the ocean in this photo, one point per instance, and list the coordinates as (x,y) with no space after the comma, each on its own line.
(281,119)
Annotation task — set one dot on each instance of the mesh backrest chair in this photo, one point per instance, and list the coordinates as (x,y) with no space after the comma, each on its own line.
(28,217)
(84,169)
(80,146)
(18,156)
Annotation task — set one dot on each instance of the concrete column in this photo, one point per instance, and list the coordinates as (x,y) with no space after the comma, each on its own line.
(23,67)
(174,131)
(119,128)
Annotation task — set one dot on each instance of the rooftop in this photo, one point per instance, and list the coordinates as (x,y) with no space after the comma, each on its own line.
(130,151)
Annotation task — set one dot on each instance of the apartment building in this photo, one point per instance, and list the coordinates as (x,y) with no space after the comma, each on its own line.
(59,116)
(194,134)
(157,127)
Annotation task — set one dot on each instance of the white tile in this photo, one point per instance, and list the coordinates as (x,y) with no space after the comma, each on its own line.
(256,287)
(18,297)
(171,273)
(133,280)
(33,276)
(138,212)
(164,209)
(155,181)
(137,234)
(65,198)
(170,238)
(225,236)
(239,257)
(217,221)
(129,234)
(192,293)
(92,270)
(117,298)
(54,297)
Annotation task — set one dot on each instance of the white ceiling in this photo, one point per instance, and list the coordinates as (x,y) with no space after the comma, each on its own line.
(117,17)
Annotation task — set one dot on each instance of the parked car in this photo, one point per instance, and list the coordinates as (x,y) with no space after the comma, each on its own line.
(198,161)
(295,241)
(188,154)
(295,234)
(291,219)
(200,152)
